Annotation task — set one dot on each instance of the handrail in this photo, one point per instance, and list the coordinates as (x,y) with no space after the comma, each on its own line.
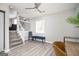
(19,23)
(24,21)
(21,26)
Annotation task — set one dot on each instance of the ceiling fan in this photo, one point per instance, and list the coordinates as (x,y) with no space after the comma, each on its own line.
(36,7)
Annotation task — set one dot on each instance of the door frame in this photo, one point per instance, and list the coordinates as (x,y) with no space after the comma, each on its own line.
(3,29)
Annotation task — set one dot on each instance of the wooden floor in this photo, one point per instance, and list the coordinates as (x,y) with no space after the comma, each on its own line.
(32,48)
(72,48)
(37,48)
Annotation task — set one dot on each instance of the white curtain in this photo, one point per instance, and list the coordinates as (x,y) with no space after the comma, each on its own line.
(40,25)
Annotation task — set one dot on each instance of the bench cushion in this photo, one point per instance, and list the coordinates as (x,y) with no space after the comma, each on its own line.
(38,37)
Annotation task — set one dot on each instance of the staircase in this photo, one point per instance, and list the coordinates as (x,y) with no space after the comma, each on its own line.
(14,39)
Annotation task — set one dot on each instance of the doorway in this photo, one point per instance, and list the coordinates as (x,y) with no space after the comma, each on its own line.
(2,30)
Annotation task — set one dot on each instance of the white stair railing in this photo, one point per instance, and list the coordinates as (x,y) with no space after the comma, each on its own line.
(26,25)
(22,28)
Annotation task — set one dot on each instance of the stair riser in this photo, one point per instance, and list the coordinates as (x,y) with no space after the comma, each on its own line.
(15,39)
(15,45)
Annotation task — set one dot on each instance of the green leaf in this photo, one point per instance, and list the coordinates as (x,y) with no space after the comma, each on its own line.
(77,15)
(73,19)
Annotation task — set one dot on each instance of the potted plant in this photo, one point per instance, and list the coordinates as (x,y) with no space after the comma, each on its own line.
(74,20)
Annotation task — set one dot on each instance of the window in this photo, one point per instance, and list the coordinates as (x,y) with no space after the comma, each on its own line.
(40,24)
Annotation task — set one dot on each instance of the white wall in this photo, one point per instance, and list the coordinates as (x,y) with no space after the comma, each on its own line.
(12,14)
(33,26)
(1,31)
(11,22)
(24,34)
(6,9)
(56,26)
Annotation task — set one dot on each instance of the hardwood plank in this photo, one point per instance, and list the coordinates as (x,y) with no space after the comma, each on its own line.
(32,48)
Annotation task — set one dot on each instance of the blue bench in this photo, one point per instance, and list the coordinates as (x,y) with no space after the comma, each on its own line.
(38,37)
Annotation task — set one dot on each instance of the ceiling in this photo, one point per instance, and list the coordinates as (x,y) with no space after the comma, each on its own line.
(47,7)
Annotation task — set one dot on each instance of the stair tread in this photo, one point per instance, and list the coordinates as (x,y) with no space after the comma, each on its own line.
(11,46)
(15,39)
(15,43)
(12,41)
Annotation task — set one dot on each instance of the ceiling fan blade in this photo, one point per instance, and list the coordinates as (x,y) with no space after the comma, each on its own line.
(29,8)
(37,5)
(39,11)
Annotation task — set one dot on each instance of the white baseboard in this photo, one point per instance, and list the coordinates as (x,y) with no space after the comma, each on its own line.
(49,42)
(6,50)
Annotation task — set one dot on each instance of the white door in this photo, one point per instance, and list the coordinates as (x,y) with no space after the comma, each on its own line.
(1,31)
